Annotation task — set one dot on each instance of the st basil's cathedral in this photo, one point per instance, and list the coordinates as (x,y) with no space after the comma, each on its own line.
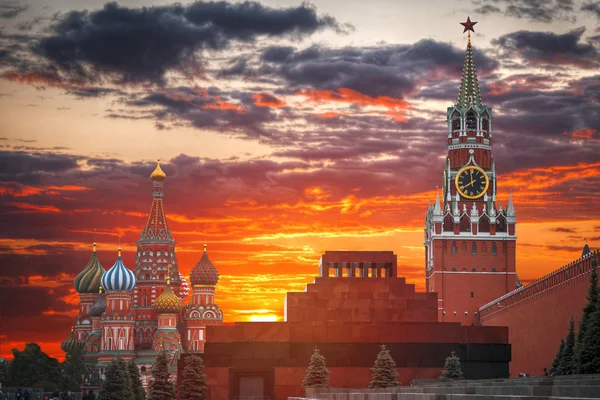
(134,314)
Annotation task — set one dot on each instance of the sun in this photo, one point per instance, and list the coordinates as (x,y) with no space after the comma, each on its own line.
(263,318)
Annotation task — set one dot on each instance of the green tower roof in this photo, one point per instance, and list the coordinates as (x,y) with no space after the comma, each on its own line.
(469,85)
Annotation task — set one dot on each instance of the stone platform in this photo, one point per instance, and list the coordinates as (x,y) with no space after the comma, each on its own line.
(581,387)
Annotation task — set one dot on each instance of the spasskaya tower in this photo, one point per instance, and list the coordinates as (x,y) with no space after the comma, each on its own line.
(470,238)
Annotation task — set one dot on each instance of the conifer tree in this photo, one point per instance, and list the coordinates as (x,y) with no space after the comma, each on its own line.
(160,387)
(136,383)
(72,369)
(116,384)
(317,374)
(554,370)
(452,368)
(582,354)
(194,385)
(383,373)
(566,365)
(590,354)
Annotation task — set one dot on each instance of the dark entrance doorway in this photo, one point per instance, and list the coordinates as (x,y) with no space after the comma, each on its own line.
(249,384)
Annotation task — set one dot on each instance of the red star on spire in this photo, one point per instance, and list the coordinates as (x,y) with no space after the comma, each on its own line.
(468,25)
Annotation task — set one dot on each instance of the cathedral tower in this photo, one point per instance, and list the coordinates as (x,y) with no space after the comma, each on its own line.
(155,259)
(469,238)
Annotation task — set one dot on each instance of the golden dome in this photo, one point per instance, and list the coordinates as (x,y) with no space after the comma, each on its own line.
(168,302)
(158,174)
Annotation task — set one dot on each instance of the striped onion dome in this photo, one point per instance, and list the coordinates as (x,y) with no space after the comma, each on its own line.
(72,343)
(204,272)
(88,280)
(168,302)
(118,277)
(99,306)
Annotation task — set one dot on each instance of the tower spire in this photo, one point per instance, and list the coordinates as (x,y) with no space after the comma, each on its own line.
(510,209)
(437,209)
(469,85)
(156,228)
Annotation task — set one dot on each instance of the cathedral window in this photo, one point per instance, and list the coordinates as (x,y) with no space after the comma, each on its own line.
(465,224)
(494,270)
(472,295)
(453,248)
(474,248)
(474,270)
(453,269)
(144,301)
(448,223)
(471,121)
(484,224)
(501,224)
(494,248)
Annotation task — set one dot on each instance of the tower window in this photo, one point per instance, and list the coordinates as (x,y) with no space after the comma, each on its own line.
(494,248)
(453,248)
(472,295)
(494,270)
(471,121)
(474,248)
(453,269)
(474,270)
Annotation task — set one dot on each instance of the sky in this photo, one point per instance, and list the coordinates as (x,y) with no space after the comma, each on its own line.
(285,129)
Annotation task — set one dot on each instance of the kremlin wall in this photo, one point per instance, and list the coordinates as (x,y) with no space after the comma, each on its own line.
(473,303)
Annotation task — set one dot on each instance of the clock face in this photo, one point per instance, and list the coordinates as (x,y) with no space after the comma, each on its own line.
(472,182)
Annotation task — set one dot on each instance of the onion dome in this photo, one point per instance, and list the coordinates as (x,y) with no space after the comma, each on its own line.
(118,277)
(72,343)
(99,306)
(204,273)
(88,280)
(168,302)
(158,174)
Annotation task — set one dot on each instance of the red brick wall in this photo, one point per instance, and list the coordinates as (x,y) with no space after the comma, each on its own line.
(537,316)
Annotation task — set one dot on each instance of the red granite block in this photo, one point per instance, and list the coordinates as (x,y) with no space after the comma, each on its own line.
(283,392)
(285,376)
(361,315)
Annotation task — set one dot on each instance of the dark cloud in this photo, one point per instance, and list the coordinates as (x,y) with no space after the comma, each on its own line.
(592,7)
(563,230)
(11,9)
(534,10)
(28,167)
(143,44)
(550,48)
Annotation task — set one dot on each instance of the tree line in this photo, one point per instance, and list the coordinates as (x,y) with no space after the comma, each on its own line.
(579,353)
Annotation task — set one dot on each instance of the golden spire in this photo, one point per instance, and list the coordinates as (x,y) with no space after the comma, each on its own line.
(100,289)
(158,174)
(205,247)
(169,274)
(72,328)
(119,251)
(94,247)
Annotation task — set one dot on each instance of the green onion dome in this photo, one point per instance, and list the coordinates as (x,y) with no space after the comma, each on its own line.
(88,280)
(72,343)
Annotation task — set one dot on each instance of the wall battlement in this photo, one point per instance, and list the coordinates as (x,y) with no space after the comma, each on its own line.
(576,270)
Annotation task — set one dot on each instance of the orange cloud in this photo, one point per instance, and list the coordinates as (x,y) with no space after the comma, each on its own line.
(396,107)
(35,207)
(329,114)
(584,133)
(267,100)
(223,105)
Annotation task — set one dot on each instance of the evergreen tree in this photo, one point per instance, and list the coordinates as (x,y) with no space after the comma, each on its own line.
(566,365)
(582,356)
(116,385)
(33,368)
(383,373)
(554,370)
(590,354)
(72,370)
(317,374)
(452,368)
(160,387)
(194,385)
(136,383)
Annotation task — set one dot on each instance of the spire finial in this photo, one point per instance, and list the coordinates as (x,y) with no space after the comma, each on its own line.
(469,85)
(158,174)
(205,247)
(94,245)
(72,329)
(169,274)
(100,289)
(119,246)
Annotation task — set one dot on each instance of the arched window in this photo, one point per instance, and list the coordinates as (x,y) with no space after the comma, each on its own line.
(494,248)
(144,301)
(471,121)
(464,247)
(484,224)
(453,247)
(493,269)
(474,248)
(501,224)
(474,270)
(448,223)
(465,224)
(453,269)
